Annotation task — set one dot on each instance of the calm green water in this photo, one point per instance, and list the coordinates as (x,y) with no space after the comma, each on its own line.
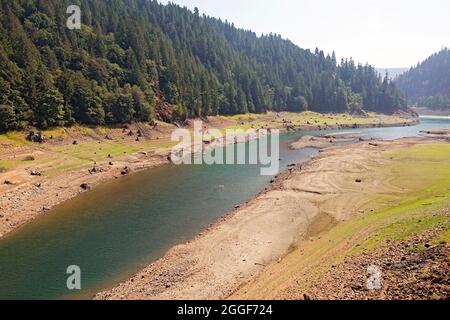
(123,225)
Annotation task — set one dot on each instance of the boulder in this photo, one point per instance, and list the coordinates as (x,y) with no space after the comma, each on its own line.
(85,186)
(35,173)
(125,171)
(35,137)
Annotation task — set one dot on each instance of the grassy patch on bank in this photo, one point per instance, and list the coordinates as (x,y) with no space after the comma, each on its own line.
(399,223)
(6,165)
(12,139)
(423,172)
(59,154)
(86,153)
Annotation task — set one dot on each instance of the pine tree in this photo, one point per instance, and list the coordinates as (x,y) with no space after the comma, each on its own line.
(7,118)
(48,104)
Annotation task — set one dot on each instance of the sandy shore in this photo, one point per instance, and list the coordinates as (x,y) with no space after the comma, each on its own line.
(301,202)
(24,196)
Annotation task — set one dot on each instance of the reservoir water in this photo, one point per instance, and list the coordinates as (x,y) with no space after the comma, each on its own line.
(123,225)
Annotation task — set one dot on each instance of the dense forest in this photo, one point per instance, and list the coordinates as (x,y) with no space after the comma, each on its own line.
(134,60)
(428,84)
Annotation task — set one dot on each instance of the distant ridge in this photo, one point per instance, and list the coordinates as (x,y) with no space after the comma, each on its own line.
(392,72)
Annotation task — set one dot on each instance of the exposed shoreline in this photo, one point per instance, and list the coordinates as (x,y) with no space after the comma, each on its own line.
(431,112)
(239,246)
(21,203)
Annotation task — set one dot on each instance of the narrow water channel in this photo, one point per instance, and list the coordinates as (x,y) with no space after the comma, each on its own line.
(123,225)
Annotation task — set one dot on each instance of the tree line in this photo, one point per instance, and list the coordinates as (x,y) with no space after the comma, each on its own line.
(132,55)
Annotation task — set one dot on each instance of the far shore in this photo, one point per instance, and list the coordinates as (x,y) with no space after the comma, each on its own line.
(34,187)
(301,203)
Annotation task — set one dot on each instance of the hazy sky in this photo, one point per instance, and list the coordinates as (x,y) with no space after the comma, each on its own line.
(385,33)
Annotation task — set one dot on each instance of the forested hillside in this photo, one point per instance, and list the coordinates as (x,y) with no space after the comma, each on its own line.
(137,59)
(428,84)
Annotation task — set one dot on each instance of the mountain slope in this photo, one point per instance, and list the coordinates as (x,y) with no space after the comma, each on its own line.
(428,84)
(134,56)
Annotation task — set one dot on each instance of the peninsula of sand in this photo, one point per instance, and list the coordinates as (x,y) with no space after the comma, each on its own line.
(320,227)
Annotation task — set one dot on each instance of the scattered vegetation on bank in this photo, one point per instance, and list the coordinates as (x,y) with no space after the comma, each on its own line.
(94,144)
(72,148)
